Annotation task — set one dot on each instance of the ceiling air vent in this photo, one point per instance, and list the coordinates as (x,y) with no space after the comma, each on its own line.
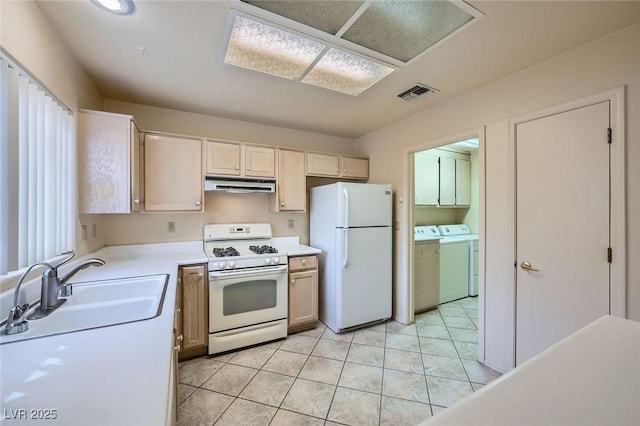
(417,92)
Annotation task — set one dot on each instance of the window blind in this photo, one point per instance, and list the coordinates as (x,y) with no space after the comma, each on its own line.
(37,163)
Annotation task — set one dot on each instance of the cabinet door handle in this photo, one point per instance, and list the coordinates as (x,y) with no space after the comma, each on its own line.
(180,338)
(237,167)
(200,275)
(344,170)
(177,348)
(304,261)
(293,281)
(281,203)
(198,202)
(136,201)
(178,310)
(438,251)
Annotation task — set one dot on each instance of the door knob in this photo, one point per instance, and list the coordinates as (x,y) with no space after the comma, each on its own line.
(527,267)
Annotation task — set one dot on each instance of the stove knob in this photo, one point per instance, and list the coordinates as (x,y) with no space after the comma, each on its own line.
(232,264)
(276,260)
(267,261)
(222,265)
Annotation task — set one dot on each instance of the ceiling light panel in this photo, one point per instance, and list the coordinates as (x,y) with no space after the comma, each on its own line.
(328,16)
(404,29)
(265,48)
(347,73)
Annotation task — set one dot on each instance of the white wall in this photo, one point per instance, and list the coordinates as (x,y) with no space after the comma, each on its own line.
(219,208)
(601,65)
(27,35)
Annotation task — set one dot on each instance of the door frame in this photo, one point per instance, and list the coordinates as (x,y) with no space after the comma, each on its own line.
(617,298)
(409,189)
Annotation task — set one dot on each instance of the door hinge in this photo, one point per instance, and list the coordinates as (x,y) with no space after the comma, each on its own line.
(609,254)
(609,135)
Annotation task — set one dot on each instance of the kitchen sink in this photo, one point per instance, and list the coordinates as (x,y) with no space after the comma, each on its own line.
(96,304)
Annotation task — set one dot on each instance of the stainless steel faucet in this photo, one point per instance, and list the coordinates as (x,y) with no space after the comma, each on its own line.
(54,289)
(16,322)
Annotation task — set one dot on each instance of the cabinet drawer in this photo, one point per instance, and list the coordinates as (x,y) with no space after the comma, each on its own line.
(302,262)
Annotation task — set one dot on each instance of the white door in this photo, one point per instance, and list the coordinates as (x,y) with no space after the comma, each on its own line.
(562,226)
(363,275)
(362,204)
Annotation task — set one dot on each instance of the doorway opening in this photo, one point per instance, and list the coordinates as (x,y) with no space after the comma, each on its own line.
(445,270)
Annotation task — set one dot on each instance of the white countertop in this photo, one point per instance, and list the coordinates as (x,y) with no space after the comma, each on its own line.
(590,378)
(116,375)
(292,246)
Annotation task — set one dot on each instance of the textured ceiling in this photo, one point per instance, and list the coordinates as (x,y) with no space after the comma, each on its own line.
(181,65)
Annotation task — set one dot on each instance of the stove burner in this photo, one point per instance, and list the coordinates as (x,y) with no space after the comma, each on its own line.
(263,249)
(224,252)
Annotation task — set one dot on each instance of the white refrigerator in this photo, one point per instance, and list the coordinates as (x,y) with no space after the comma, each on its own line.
(351,224)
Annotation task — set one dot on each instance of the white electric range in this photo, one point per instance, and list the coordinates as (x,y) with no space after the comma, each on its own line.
(248,297)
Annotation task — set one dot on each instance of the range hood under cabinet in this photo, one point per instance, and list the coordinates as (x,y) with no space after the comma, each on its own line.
(239,185)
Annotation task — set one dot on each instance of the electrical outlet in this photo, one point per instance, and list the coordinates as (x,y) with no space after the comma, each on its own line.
(84,233)
(94,231)
(171,226)
(290,223)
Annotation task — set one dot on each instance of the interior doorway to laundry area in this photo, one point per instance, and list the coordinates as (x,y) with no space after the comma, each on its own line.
(445,213)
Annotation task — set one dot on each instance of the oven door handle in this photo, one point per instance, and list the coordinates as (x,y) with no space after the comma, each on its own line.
(258,271)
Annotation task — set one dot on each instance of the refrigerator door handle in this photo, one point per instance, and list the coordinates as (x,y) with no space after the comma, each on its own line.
(346,207)
(346,248)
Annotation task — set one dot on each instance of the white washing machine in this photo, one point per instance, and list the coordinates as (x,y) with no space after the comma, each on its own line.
(461,232)
(454,267)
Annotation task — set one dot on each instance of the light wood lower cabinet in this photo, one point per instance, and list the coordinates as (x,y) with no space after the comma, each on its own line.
(192,310)
(303,293)
(426,275)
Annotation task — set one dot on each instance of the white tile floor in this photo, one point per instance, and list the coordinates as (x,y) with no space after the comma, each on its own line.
(387,374)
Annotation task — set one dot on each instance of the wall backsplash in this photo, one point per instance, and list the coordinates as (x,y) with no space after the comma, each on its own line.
(140,228)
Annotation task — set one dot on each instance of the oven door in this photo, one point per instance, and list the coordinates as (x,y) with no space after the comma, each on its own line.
(247,297)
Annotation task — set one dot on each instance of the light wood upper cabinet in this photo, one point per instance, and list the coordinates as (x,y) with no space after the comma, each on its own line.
(322,164)
(173,173)
(291,191)
(328,165)
(442,178)
(463,182)
(303,292)
(223,158)
(354,168)
(447,181)
(109,163)
(259,161)
(236,159)
(427,177)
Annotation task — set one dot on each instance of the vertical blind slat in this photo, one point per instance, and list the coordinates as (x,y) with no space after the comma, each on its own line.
(4,165)
(43,178)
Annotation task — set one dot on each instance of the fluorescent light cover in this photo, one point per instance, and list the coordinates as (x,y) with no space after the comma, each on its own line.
(345,72)
(121,7)
(271,50)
